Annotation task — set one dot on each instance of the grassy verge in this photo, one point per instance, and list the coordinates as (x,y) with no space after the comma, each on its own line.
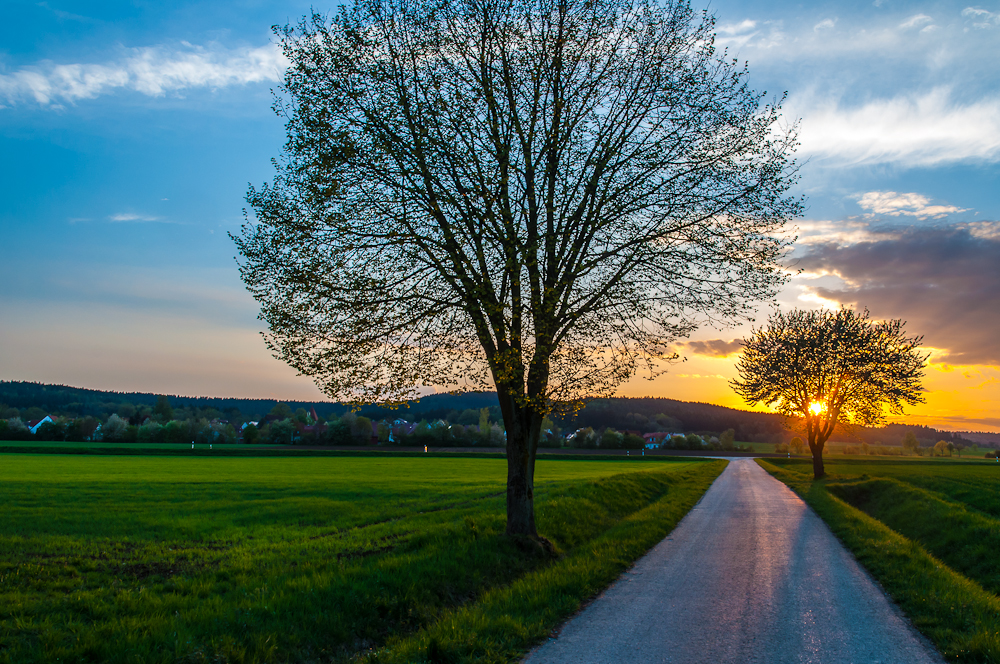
(506,621)
(964,539)
(161,559)
(953,611)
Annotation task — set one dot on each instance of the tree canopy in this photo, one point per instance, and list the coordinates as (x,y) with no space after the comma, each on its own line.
(538,195)
(828,367)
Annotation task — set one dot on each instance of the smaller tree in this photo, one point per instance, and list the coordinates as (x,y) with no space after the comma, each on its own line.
(54,431)
(17,429)
(694,441)
(942,448)
(728,440)
(251,434)
(281,411)
(362,430)
(824,368)
(114,429)
(585,439)
(163,410)
(611,440)
(281,432)
(798,445)
(910,443)
(151,432)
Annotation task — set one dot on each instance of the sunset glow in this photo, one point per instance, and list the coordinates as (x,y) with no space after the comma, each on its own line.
(137,290)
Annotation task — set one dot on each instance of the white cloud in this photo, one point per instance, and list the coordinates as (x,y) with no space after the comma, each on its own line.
(811,297)
(824,24)
(736,28)
(915,20)
(127,216)
(906,130)
(981,17)
(842,232)
(152,71)
(914,205)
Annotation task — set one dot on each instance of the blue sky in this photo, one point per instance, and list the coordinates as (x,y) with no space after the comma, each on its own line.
(130,131)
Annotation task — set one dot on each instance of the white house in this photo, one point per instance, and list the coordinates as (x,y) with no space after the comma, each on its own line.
(33,425)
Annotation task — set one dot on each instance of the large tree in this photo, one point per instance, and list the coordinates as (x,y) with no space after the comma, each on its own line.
(823,368)
(533,195)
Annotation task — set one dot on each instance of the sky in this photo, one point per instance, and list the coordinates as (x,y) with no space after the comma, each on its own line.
(130,132)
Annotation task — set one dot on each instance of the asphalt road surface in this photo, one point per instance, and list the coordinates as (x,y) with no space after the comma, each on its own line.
(751,574)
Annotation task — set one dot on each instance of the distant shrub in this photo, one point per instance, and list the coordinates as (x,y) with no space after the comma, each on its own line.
(584,439)
(338,432)
(633,442)
(911,443)
(694,442)
(16,429)
(114,429)
(362,430)
(280,432)
(611,440)
(727,439)
(151,432)
(251,434)
(54,431)
(941,448)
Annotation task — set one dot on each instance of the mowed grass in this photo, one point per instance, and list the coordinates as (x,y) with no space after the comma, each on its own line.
(928,530)
(164,559)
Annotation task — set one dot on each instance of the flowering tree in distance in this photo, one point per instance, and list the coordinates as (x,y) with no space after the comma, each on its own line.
(533,195)
(828,367)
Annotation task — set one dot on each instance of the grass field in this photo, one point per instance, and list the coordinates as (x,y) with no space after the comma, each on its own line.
(165,559)
(928,530)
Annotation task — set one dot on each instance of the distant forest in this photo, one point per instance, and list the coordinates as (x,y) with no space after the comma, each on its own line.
(35,400)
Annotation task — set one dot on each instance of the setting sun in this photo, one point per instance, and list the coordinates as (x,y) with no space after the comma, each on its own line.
(817,407)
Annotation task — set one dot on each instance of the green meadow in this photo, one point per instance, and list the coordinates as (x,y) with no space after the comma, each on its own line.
(928,530)
(316,559)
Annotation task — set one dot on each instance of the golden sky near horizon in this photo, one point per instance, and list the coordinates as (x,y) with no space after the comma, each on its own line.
(118,272)
(195,356)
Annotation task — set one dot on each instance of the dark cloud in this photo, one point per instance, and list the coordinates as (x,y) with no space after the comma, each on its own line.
(714,347)
(944,281)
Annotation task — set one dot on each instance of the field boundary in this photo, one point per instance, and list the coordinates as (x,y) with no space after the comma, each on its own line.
(294,451)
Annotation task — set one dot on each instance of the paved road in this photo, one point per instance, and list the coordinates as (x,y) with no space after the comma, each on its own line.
(751,574)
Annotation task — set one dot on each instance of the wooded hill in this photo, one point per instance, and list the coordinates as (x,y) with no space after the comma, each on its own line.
(636,414)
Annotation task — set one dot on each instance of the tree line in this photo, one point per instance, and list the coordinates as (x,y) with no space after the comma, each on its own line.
(83,409)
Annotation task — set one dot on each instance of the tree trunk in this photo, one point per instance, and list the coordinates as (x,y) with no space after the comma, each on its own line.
(520,485)
(523,428)
(817,452)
